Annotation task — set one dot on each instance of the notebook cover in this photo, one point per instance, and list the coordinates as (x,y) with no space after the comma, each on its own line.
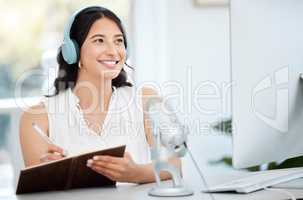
(68,173)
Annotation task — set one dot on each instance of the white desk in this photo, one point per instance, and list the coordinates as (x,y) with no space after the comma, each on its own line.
(140,192)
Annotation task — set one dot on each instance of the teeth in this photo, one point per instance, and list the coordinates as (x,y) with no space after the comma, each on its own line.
(109,62)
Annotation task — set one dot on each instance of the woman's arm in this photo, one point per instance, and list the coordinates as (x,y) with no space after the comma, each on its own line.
(34,149)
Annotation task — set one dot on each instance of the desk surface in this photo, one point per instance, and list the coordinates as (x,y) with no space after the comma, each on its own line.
(214,174)
(141,192)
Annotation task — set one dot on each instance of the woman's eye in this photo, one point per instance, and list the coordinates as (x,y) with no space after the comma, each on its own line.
(99,40)
(119,41)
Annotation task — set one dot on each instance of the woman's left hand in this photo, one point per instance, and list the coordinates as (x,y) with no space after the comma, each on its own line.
(115,168)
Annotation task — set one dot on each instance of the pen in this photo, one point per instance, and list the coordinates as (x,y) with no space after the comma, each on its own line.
(44,136)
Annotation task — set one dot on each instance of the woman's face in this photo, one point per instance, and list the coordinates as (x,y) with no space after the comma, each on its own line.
(103,52)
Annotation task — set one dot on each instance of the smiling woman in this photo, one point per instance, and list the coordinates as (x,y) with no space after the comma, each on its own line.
(104,49)
(99,47)
(94,106)
(30,32)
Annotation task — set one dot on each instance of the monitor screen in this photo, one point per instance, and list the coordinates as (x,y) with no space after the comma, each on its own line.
(267,93)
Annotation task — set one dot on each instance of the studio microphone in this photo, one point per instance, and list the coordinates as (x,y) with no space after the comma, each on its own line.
(165,122)
(172,135)
(169,137)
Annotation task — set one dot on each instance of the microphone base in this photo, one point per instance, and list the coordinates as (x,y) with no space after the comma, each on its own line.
(170,192)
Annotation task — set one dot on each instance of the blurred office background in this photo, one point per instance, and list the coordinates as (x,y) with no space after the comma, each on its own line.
(172,43)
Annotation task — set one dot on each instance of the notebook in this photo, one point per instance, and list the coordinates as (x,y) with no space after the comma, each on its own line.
(64,174)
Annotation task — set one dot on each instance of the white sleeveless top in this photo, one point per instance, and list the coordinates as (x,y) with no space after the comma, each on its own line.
(123,124)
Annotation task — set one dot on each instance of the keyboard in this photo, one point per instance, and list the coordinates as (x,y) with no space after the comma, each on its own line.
(258,181)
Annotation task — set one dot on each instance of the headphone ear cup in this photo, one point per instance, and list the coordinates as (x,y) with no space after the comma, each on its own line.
(70,51)
(76,51)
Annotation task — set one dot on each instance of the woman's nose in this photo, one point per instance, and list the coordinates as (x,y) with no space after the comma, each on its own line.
(111,49)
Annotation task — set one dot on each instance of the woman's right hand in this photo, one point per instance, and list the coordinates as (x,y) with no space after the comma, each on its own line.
(53,153)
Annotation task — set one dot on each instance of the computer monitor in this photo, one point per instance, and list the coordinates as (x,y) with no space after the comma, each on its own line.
(267,93)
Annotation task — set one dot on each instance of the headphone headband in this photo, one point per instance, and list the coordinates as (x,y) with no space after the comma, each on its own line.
(70,48)
(68,26)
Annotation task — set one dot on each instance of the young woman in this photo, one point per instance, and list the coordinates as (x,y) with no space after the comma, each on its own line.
(94,106)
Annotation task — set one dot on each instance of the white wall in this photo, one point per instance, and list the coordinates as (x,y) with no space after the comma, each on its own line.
(177,41)
(149,45)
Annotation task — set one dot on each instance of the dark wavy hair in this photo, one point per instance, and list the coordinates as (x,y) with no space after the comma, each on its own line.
(68,73)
